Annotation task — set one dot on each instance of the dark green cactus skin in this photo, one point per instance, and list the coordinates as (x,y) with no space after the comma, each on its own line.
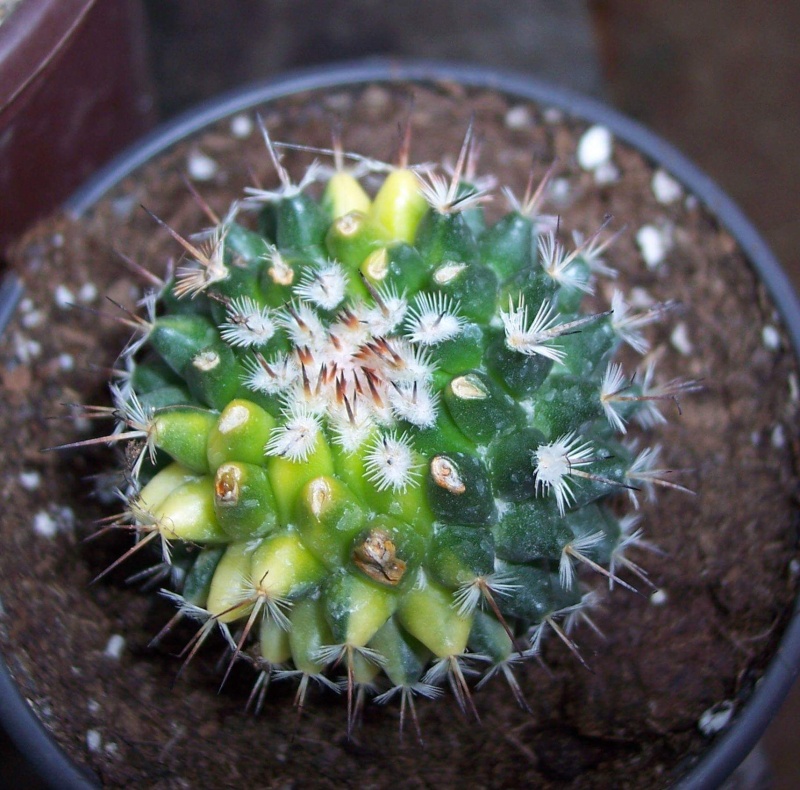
(383,431)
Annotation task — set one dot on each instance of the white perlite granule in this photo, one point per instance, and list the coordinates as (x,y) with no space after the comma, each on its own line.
(60,519)
(30,481)
(43,525)
(654,243)
(94,741)
(241,126)
(607,173)
(680,339)
(770,337)
(200,166)
(716,718)
(518,117)
(87,293)
(665,188)
(595,148)
(63,297)
(115,646)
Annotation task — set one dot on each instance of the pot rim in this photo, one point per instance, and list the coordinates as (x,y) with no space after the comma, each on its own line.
(735,743)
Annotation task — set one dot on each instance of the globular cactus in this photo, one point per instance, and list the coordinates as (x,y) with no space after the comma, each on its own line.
(376,438)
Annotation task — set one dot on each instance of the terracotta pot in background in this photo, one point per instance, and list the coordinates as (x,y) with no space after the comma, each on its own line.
(74,90)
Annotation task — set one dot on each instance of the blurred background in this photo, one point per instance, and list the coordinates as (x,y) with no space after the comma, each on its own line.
(721,81)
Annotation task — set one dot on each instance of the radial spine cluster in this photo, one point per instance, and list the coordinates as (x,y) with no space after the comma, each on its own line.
(374,438)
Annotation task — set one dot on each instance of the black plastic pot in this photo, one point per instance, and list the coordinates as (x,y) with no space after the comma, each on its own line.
(730,748)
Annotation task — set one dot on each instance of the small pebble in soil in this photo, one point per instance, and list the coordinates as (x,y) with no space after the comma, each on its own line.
(680,339)
(794,388)
(26,349)
(32,319)
(44,525)
(518,117)
(665,188)
(778,437)
(93,706)
(111,748)
(30,481)
(639,297)
(115,646)
(201,167)
(241,126)
(755,438)
(770,337)
(26,305)
(659,598)
(94,740)
(559,192)
(66,362)
(63,297)
(595,148)
(553,115)
(607,173)
(716,718)
(654,244)
(794,568)
(87,293)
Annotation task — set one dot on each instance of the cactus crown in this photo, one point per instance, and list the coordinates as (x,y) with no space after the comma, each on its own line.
(375,438)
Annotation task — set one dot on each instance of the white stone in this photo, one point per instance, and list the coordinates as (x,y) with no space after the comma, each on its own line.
(653,244)
(43,525)
(241,126)
(64,298)
(32,319)
(659,598)
(559,192)
(716,718)
(778,437)
(66,362)
(771,338)
(595,148)
(65,518)
(93,706)
(115,646)
(680,339)
(639,297)
(553,115)
(30,481)
(87,293)
(607,173)
(518,117)
(201,167)
(94,740)
(665,188)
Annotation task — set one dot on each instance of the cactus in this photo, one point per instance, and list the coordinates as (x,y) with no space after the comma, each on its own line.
(375,438)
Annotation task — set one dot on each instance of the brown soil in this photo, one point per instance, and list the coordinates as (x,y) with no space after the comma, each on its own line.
(729,552)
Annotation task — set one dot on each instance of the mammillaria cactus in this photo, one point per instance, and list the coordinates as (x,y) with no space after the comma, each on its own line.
(376,438)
